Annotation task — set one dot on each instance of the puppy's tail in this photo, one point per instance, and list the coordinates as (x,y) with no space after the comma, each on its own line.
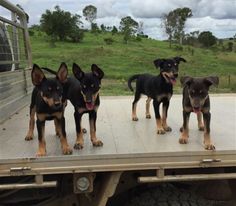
(132,78)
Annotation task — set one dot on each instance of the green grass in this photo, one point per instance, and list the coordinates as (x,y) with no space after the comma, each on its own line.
(119,60)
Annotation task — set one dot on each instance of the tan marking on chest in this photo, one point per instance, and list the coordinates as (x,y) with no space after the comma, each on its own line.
(44,116)
(163,96)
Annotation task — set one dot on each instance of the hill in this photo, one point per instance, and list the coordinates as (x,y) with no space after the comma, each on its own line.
(119,60)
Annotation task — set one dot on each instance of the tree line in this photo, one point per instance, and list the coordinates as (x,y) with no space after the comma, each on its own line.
(62,25)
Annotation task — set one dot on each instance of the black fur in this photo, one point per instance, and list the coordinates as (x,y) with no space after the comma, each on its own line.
(196,99)
(159,88)
(83,93)
(48,103)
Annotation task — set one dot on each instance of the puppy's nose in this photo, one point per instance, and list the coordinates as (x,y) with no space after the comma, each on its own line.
(57,104)
(176,75)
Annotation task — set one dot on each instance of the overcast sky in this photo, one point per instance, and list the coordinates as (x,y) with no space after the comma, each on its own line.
(217,16)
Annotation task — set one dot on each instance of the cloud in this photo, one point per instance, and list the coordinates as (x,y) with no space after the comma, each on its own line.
(218,9)
(217,16)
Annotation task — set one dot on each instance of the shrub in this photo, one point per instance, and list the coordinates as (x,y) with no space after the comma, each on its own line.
(108,41)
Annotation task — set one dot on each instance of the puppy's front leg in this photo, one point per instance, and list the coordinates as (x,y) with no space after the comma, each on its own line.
(41,137)
(160,129)
(30,132)
(164,116)
(185,129)
(79,144)
(199,120)
(92,122)
(62,134)
(207,138)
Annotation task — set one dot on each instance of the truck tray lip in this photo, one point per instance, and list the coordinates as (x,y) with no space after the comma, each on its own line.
(106,163)
(184,155)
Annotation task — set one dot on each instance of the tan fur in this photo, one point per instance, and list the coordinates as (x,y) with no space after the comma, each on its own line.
(148,115)
(30,132)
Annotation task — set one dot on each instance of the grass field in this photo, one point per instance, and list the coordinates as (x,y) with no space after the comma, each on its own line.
(119,60)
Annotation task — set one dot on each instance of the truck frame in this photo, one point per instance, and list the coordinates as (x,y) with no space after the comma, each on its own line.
(134,161)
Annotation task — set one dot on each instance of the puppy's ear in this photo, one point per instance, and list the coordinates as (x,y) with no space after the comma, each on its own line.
(186,80)
(158,62)
(37,75)
(62,73)
(179,59)
(77,71)
(212,80)
(97,71)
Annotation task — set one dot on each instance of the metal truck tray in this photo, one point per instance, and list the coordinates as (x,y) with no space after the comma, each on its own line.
(128,145)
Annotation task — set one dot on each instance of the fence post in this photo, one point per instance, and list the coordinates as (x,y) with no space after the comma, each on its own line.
(26,40)
(15,43)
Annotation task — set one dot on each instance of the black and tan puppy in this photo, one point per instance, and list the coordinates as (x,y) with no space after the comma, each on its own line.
(159,88)
(196,99)
(83,92)
(48,104)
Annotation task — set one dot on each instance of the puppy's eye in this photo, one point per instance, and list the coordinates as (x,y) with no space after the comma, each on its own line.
(84,86)
(201,92)
(58,88)
(92,85)
(169,65)
(175,64)
(49,89)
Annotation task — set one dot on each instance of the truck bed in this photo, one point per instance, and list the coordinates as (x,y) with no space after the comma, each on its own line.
(127,145)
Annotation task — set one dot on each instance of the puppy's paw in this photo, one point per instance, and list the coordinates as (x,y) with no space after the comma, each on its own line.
(181,129)
(67,150)
(28,138)
(58,134)
(78,145)
(41,153)
(183,140)
(167,129)
(161,131)
(210,146)
(201,128)
(135,119)
(97,143)
(148,116)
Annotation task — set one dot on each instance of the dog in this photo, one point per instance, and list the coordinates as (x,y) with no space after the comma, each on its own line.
(83,93)
(196,99)
(159,88)
(48,103)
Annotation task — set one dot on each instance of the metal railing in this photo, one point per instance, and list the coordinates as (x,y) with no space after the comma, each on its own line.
(15,50)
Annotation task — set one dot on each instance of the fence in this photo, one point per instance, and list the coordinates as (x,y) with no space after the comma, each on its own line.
(15,59)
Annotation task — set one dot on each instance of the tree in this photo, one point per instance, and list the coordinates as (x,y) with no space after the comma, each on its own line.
(90,13)
(103,28)
(230,46)
(174,23)
(207,39)
(191,38)
(128,27)
(168,21)
(114,30)
(94,28)
(140,28)
(59,23)
(181,16)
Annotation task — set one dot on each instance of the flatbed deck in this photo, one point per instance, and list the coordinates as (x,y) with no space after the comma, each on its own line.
(127,145)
